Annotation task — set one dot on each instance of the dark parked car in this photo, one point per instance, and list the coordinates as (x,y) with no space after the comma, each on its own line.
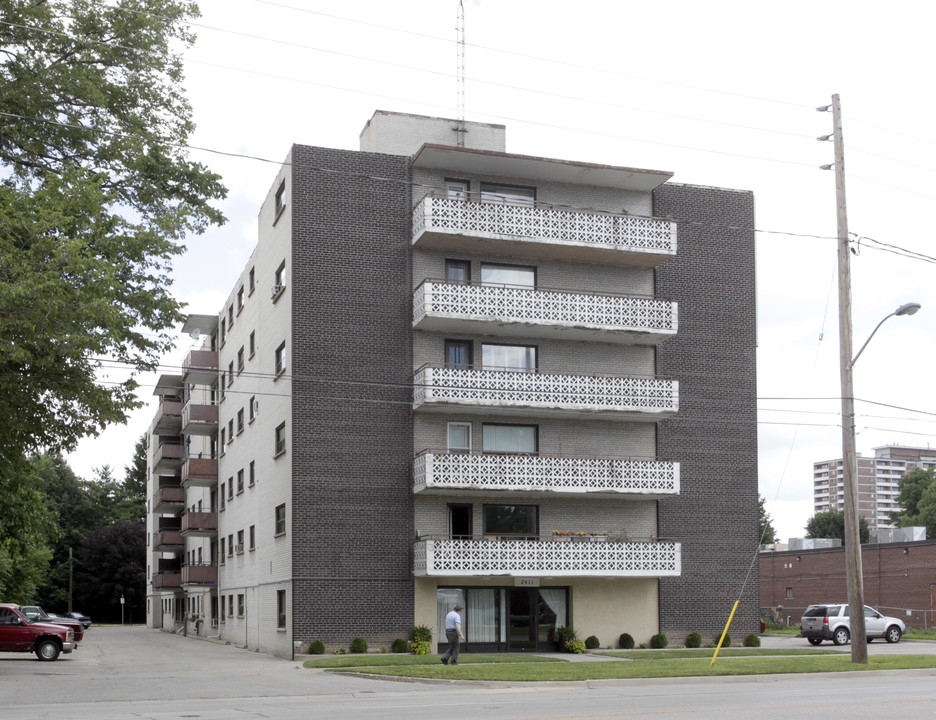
(83,619)
(34,613)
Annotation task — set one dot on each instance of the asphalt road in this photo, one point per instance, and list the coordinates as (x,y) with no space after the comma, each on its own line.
(124,673)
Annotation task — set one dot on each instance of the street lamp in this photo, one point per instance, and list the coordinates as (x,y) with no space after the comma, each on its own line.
(853,570)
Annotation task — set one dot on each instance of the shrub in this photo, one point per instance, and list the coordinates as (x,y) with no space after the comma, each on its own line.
(752,640)
(316,647)
(575,646)
(693,640)
(420,633)
(359,645)
(421,647)
(564,635)
(399,646)
(726,642)
(626,641)
(592,642)
(341,651)
(659,641)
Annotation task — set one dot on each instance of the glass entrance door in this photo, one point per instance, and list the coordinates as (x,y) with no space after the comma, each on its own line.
(521,623)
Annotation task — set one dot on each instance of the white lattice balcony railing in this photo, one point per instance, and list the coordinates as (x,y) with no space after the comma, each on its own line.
(534,558)
(543,231)
(483,472)
(544,394)
(561,314)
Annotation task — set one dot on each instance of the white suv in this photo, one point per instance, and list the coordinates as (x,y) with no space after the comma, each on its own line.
(830,622)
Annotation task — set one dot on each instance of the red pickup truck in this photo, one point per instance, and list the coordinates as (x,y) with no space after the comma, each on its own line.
(34,613)
(47,640)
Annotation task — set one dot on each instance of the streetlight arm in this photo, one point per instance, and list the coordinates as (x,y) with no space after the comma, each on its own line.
(907,309)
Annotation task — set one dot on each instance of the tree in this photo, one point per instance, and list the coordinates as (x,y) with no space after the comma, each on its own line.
(766,530)
(96,194)
(917,497)
(831,524)
(113,565)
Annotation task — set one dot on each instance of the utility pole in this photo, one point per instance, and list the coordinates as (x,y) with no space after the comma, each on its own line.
(853,570)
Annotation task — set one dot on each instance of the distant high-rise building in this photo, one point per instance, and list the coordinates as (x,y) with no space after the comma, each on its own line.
(878,482)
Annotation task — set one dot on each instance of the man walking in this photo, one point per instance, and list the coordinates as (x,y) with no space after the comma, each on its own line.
(453,633)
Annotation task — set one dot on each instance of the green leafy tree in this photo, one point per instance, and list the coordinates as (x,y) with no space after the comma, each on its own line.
(113,566)
(96,195)
(831,524)
(917,497)
(766,530)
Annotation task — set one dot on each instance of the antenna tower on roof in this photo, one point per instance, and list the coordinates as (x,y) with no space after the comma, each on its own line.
(460,130)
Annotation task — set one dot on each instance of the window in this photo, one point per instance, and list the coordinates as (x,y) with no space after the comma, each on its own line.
(789,593)
(223,330)
(511,276)
(240,360)
(240,481)
(509,438)
(281,608)
(240,299)
(230,316)
(252,535)
(280,438)
(240,542)
(230,429)
(456,189)
(251,281)
(279,520)
(240,604)
(221,386)
(230,373)
(459,437)
(280,358)
(512,520)
(230,544)
(253,343)
(223,439)
(251,406)
(507,194)
(230,605)
(251,474)
(222,551)
(222,507)
(230,484)
(458,271)
(280,277)
(512,358)
(458,354)
(279,200)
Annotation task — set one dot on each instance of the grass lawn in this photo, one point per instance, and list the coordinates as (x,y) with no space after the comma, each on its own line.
(636,664)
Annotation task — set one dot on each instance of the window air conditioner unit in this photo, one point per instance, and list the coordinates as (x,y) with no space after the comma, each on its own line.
(276,290)
(239,548)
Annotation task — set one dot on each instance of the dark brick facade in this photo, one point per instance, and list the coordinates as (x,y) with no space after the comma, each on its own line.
(352,372)
(714,436)
(899,580)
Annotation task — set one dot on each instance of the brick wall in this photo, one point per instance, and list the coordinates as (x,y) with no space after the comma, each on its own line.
(714,436)
(352,368)
(899,580)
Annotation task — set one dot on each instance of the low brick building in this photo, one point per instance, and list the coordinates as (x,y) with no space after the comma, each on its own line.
(899,580)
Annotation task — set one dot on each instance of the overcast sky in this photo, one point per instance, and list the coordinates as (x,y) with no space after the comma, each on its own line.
(719,93)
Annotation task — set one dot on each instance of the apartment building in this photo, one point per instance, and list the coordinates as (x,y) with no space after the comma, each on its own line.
(878,482)
(454,375)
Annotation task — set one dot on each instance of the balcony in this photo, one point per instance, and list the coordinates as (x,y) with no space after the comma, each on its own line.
(544,394)
(167,581)
(168,499)
(199,472)
(200,574)
(200,524)
(545,557)
(466,473)
(199,419)
(168,417)
(167,458)
(200,367)
(556,314)
(542,231)
(169,540)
